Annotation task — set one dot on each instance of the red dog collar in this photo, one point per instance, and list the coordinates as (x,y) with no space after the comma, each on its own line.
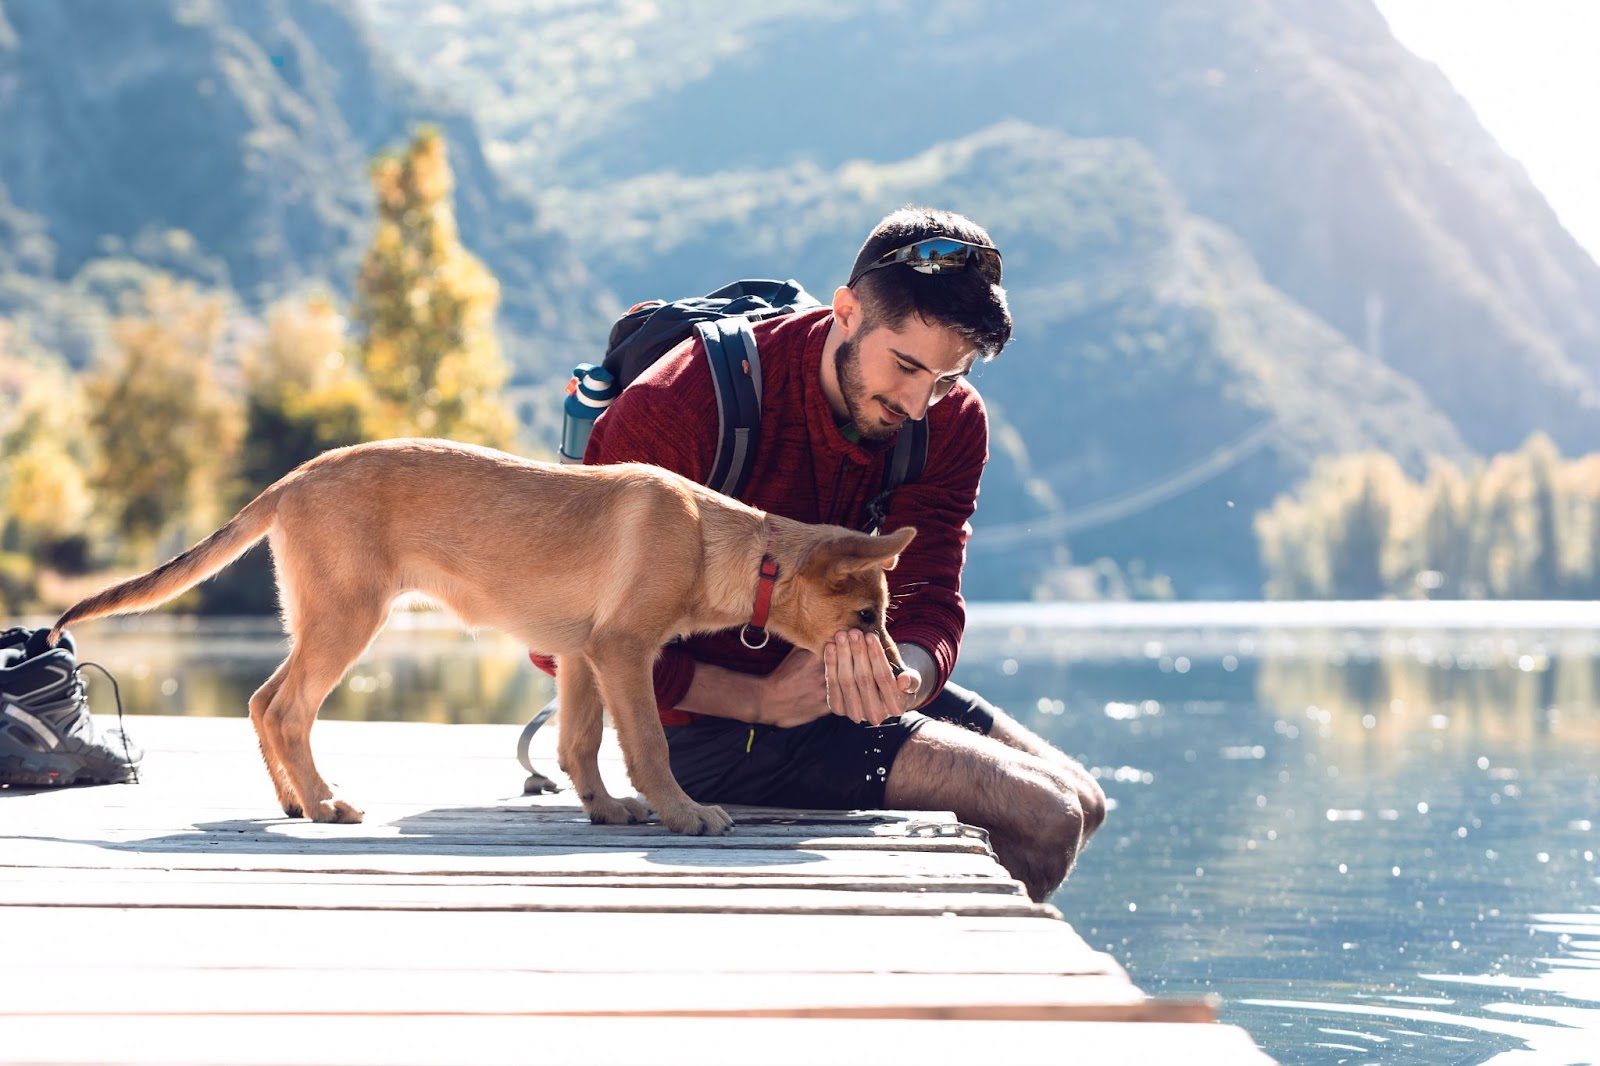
(754,635)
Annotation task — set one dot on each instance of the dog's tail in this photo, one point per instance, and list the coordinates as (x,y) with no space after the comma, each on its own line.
(181,573)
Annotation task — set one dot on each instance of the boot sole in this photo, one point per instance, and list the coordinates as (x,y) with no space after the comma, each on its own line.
(53,770)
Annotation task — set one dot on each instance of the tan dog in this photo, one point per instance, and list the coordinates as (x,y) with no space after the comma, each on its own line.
(599,566)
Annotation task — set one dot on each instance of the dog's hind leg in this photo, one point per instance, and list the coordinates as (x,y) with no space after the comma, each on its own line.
(268,741)
(622,668)
(579,732)
(325,646)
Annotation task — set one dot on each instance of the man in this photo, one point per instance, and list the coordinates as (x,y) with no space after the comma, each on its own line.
(777,726)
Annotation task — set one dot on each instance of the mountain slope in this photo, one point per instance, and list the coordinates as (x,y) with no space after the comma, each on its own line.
(1145,339)
(247,125)
(1356,177)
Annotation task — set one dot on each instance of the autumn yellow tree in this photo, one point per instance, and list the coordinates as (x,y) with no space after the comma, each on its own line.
(1526,525)
(1521,549)
(1294,550)
(426,308)
(1339,535)
(166,423)
(45,458)
(303,392)
(44,486)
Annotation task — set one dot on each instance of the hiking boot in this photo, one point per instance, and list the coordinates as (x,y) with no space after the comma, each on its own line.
(47,736)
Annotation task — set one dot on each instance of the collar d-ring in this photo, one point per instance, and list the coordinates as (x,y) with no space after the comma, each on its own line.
(758,617)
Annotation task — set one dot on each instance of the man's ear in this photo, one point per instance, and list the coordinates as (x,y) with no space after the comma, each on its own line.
(846,311)
(854,553)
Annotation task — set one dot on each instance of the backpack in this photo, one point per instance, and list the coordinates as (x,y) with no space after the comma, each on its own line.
(722,319)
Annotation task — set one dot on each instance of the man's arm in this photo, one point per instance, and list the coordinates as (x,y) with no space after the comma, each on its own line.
(929,613)
(793,694)
(798,691)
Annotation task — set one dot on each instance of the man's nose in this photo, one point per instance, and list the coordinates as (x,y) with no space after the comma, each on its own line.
(915,402)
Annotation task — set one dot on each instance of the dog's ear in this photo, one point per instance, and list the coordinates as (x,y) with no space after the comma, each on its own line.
(853,553)
(895,543)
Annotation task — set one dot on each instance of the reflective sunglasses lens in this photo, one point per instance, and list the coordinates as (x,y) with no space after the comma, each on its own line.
(940,255)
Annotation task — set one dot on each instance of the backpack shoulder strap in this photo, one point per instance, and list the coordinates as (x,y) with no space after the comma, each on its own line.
(908,456)
(730,346)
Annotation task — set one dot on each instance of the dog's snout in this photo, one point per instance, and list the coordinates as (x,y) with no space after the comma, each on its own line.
(891,650)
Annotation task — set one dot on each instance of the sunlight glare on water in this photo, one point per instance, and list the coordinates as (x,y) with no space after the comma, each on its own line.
(1374,839)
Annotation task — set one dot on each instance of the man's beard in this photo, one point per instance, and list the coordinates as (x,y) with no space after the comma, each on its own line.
(847,368)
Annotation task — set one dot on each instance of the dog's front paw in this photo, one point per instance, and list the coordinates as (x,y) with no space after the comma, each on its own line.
(612,811)
(336,810)
(696,820)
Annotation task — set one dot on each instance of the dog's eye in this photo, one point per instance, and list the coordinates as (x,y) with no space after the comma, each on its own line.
(868,616)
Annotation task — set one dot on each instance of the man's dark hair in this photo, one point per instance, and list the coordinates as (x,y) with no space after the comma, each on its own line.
(968,301)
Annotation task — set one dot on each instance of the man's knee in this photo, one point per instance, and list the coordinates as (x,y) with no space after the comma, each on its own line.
(1087,796)
(1092,799)
(1054,814)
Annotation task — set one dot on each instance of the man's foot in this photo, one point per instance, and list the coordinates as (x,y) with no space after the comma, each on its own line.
(47,736)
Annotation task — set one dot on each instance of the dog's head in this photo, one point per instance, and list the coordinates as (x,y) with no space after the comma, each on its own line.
(841,584)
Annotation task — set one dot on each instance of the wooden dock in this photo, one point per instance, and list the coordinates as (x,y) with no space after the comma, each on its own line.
(184,920)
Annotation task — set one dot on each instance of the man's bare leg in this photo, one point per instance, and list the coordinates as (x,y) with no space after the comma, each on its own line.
(1029,807)
(967,709)
(1091,797)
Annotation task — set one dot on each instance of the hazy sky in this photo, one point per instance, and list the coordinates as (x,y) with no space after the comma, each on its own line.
(1531,70)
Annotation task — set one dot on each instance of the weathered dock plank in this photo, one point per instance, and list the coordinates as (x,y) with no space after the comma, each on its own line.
(510,1040)
(185,920)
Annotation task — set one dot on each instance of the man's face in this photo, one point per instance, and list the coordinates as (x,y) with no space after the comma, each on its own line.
(889,375)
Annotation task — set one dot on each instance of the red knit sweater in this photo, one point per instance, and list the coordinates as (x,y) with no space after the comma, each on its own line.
(806,469)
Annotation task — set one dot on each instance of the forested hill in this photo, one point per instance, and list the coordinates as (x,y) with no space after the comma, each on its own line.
(228,141)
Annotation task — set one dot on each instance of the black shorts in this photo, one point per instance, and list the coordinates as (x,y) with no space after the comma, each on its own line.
(829,764)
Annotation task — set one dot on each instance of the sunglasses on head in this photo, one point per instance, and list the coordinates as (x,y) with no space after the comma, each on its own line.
(939,255)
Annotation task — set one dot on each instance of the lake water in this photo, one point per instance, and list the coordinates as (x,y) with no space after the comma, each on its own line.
(1370,829)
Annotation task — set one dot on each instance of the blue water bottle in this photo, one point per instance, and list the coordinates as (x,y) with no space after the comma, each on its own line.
(590,392)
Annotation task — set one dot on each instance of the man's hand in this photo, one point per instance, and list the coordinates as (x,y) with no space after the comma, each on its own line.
(795,693)
(861,685)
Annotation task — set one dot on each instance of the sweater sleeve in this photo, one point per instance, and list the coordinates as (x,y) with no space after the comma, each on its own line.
(926,586)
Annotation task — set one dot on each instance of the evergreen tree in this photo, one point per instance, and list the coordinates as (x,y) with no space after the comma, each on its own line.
(1361,533)
(1545,578)
(1443,551)
(1497,556)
